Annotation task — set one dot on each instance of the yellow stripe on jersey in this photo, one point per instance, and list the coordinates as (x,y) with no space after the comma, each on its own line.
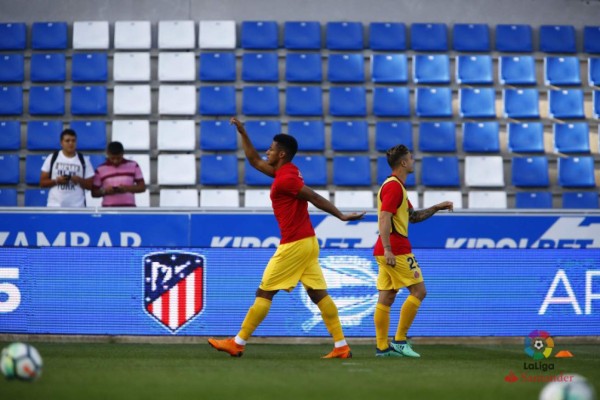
(400,218)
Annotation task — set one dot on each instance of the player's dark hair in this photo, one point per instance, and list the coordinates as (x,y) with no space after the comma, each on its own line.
(395,154)
(287,143)
(69,132)
(115,148)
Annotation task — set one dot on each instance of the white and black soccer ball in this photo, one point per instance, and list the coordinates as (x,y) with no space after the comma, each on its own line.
(21,361)
(578,389)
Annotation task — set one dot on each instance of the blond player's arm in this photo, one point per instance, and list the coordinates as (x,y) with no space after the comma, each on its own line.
(422,215)
(251,154)
(322,203)
(385,229)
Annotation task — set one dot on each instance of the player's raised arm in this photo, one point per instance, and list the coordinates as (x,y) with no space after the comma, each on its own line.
(422,215)
(322,203)
(251,154)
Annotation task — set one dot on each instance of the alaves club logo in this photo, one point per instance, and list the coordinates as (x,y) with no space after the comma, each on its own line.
(173,287)
(350,281)
(539,345)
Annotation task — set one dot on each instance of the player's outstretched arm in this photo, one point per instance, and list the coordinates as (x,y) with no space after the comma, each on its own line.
(322,203)
(422,215)
(251,154)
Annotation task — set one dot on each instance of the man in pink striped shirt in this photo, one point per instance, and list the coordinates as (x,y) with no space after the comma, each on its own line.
(117,179)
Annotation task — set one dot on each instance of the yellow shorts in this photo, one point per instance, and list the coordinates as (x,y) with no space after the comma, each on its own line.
(405,273)
(293,262)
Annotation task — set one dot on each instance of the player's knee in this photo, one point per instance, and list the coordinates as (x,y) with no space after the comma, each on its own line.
(421,294)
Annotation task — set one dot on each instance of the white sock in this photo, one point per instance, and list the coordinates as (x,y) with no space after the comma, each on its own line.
(239,341)
(340,343)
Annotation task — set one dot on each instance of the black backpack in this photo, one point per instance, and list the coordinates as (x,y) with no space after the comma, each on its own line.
(55,156)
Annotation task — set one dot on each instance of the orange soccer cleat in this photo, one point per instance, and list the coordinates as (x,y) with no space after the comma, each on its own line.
(228,346)
(340,352)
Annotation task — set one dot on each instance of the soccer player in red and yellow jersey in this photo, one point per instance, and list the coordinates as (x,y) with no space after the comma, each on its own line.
(297,257)
(398,266)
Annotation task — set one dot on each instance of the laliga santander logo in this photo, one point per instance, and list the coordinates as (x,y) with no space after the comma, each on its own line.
(539,345)
(347,277)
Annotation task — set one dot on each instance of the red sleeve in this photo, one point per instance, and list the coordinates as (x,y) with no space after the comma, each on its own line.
(391,197)
(291,184)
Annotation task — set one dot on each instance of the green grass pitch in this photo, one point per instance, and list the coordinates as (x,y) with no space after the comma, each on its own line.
(276,371)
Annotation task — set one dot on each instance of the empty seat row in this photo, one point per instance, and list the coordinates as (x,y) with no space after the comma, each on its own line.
(222,170)
(174,135)
(300,67)
(259,198)
(344,101)
(298,35)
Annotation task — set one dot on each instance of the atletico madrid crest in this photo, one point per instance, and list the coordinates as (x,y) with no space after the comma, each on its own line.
(174,287)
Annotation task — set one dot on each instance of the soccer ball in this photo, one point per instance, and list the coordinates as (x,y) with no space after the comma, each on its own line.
(21,361)
(577,389)
(538,344)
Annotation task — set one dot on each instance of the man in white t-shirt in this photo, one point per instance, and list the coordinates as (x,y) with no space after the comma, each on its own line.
(67,173)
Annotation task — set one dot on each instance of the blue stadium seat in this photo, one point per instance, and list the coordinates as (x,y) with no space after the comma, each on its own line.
(260,100)
(594,71)
(431,68)
(533,200)
(391,102)
(580,200)
(304,101)
(346,68)
(12,68)
(10,135)
(514,38)
(390,134)
(217,100)
(51,67)
(309,134)
(36,197)
(434,102)
(88,100)
(44,135)
(258,35)
(260,67)
(49,36)
(261,133)
(302,35)
(576,172)
(517,70)
(471,37)
(313,169)
(217,136)
(344,36)
(481,137)
(8,197)
(572,137)
(91,135)
(477,103)
(596,100)
(13,36)
(351,171)
(389,68)
(474,70)
(565,104)
(440,171)
(384,171)
(218,170)
(530,171)
(97,160)
(303,67)
(47,100)
(11,100)
(526,137)
(217,67)
(33,168)
(253,177)
(591,39)
(349,136)
(429,37)
(9,169)
(387,36)
(437,136)
(557,39)
(521,103)
(348,101)
(89,67)
(562,71)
